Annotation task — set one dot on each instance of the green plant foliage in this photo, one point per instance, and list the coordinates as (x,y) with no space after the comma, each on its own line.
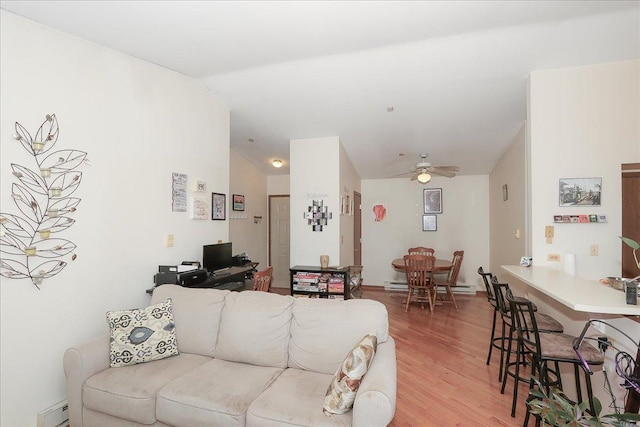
(633,245)
(555,409)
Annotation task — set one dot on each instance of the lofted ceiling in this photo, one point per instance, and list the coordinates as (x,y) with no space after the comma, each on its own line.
(454,73)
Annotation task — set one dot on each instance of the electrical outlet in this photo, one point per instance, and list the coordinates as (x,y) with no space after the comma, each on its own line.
(553,257)
(593,250)
(168,240)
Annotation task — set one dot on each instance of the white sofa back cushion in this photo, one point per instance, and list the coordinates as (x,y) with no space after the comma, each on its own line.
(254,328)
(196,313)
(323,331)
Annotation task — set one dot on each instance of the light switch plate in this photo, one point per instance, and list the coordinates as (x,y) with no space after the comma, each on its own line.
(548,231)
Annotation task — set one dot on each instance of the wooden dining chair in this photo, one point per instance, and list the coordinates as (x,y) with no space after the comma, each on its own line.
(355,281)
(421,250)
(262,280)
(419,271)
(452,278)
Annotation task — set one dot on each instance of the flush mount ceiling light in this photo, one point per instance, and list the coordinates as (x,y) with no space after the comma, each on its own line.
(424,177)
(277,163)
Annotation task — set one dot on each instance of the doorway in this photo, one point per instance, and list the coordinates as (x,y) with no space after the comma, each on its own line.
(357,228)
(630,215)
(279,239)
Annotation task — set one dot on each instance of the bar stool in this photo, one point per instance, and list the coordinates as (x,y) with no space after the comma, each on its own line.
(508,368)
(494,342)
(546,348)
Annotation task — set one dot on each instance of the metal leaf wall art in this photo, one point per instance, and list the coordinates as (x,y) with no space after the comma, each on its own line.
(29,240)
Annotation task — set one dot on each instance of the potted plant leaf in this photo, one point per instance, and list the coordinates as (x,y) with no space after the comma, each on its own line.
(633,245)
(555,409)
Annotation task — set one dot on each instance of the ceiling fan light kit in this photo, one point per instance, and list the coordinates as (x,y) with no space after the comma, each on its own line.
(423,171)
(424,177)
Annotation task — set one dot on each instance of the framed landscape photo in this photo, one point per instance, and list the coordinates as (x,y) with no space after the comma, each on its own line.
(429,223)
(432,200)
(238,202)
(218,206)
(580,191)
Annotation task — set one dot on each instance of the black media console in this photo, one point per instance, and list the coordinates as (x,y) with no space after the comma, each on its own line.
(232,278)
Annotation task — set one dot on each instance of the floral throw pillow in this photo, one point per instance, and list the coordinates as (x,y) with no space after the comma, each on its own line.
(142,335)
(343,388)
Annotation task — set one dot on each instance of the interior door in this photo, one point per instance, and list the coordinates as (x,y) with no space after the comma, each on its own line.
(630,215)
(279,240)
(357,228)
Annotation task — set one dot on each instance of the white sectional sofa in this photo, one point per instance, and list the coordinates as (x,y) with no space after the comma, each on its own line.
(245,359)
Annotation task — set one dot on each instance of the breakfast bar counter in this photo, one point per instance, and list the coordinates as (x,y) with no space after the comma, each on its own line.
(574,292)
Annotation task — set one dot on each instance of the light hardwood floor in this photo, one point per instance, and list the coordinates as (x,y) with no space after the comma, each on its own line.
(443,379)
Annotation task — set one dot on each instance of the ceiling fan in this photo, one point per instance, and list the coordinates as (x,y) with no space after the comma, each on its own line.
(423,171)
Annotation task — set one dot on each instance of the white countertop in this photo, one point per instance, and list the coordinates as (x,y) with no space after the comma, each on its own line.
(575,292)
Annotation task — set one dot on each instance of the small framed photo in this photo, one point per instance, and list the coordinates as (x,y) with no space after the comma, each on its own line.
(580,191)
(432,200)
(238,202)
(218,206)
(429,223)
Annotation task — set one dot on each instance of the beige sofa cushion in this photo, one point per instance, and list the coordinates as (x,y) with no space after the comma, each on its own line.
(196,313)
(129,392)
(217,393)
(323,331)
(254,329)
(295,399)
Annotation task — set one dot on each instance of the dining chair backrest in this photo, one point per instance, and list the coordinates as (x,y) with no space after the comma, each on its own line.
(355,277)
(421,250)
(262,280)
(419,269)
(456,263)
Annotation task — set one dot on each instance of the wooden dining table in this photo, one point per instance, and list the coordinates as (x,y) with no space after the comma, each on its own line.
(441,265)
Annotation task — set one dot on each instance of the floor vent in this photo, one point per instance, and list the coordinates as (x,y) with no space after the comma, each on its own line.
(55,416)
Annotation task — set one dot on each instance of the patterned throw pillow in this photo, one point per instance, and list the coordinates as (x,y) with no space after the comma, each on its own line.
(346,381)
(142,335)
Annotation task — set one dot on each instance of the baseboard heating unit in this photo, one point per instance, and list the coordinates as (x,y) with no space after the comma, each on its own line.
(402,286)
(55,416)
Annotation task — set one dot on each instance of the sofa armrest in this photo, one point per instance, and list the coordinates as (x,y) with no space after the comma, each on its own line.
(80,363)
(375,403)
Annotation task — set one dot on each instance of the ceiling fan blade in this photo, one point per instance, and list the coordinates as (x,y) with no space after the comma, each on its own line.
(448,168)
(438,171)
(400,174)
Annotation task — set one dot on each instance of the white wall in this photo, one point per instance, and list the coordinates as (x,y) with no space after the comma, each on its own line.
(278,184)
(138,123)
(584,122)
(314,176)
(509,215)
(463,225)
(246,235)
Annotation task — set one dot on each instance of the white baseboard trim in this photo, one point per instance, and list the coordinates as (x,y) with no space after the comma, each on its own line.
(402,287)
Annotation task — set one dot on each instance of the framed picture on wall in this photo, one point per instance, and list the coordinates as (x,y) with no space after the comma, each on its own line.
(580,191)
(432,200)
(238,202)
(218,206)
(429,223)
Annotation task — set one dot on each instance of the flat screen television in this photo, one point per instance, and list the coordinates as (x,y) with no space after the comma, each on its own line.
(216,257)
